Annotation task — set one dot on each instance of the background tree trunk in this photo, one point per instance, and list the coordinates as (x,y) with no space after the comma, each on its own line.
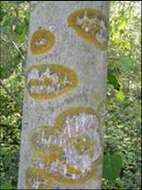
(67,52)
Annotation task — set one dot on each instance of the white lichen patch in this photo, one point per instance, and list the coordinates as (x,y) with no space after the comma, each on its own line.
(39,164)
(40,42)
(33,75)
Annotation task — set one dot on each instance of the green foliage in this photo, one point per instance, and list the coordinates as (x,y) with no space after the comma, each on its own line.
(122,131)
(14,18)
(112,79)
(119,95)
(126,64)
(123,120)
(112,166)
(6,186)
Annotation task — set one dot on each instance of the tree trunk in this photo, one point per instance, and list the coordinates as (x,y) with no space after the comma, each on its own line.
(61,141)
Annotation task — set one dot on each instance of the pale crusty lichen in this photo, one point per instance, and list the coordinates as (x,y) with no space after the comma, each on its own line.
(42,41)
(90,25)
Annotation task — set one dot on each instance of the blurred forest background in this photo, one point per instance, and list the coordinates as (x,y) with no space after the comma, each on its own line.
(122,130)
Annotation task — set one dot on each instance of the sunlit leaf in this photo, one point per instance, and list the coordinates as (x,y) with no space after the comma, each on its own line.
(119,95)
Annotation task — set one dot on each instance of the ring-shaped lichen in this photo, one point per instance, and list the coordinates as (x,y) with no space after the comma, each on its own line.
(86,36)
(42,41)
(52,152)
(60,70)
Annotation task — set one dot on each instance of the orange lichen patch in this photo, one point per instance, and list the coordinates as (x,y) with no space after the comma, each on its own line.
(90,25)
(48,81)
(42,41)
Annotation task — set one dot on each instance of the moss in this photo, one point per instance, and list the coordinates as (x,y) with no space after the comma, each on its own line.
(37,37)
(62,71)
(88,37)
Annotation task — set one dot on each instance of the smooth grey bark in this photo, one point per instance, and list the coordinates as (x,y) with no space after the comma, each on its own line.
(70,50)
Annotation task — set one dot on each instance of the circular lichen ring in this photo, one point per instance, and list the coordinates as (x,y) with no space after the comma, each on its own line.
(52,158)
(90,25)
(42,41)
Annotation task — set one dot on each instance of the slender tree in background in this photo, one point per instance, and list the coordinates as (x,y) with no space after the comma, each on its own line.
(61,141)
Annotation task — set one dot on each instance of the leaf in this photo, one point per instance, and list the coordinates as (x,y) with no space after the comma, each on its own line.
(120,183)
(5,21)
(112,166)
(112,79)
(6,186)
(3,29)
(126,64)
(120,95)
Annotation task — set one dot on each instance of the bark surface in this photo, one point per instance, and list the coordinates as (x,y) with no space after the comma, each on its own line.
(68,56)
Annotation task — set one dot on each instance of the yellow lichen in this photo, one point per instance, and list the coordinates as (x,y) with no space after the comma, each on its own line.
(47,81)
(56,153)
(59,70)
(33,175)
(72,169)
(92,21)
(56,178)
(83,144)
(42,41)
(53,154)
